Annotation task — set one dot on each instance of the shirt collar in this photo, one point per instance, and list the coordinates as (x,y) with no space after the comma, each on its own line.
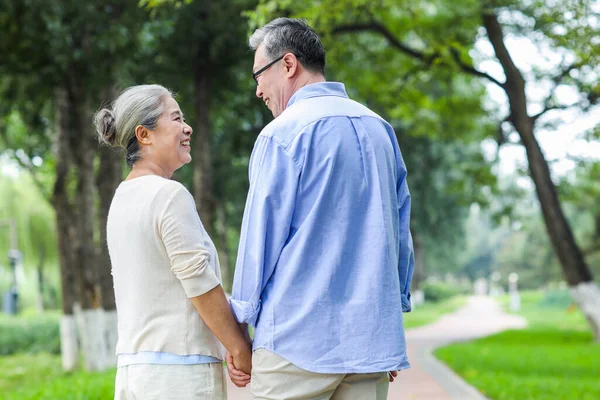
(317,90)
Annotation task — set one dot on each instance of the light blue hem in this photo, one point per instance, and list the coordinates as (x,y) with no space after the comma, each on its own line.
(152,357)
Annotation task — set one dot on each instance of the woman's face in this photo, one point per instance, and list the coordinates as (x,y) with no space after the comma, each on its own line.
(170,141)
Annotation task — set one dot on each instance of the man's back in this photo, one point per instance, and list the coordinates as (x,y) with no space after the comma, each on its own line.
(327,220)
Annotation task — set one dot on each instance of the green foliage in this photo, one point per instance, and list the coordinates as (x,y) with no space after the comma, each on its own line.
(556,299)
(428,312)
(76,46)
(554,358)
(216,49)
(40,377)
(150,4)
(21,200)
(581,191)
(542,316)
(511,236)
(441,291)
(417,99)
(34,334)
(445,177)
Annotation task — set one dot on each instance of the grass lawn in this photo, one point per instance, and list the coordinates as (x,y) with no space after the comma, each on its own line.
(554,358)
(430,312)
(40,377)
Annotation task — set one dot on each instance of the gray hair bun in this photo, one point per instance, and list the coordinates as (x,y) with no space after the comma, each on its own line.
(106,128)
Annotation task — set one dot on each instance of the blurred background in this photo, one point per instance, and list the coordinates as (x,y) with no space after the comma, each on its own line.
(494,104)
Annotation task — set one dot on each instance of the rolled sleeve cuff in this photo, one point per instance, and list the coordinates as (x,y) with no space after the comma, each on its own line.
(197,285)
(244,312)
(406,307)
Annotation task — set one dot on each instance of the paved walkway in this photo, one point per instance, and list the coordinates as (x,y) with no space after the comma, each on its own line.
(429,379)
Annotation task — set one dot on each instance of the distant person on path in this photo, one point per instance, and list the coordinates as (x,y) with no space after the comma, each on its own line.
(171,308)
(325,258)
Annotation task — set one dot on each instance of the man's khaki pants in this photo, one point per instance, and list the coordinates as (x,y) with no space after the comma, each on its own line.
(275,378)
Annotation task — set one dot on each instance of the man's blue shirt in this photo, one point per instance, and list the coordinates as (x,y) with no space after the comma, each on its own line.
(325,258)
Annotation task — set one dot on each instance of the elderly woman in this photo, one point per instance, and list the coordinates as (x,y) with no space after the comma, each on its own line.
(172,312)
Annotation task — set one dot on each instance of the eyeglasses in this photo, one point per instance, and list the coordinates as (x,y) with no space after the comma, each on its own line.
(263,69)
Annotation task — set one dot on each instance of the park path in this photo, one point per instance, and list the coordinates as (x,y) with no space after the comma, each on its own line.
(429,379)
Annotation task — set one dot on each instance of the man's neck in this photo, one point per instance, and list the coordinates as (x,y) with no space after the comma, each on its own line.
(308,79)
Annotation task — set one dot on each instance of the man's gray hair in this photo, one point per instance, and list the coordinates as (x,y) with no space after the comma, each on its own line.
(292,35)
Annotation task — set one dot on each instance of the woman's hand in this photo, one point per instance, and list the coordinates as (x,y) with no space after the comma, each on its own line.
(236,366)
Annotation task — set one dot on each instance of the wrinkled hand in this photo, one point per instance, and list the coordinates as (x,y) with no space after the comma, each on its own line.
(392,375)
(238,376)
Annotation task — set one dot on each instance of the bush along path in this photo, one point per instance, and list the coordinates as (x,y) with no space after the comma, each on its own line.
(428,378)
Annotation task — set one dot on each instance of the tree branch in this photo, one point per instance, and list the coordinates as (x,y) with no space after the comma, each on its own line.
(591,250)
(550,108)
(496,37)
(514,85)
(427,59)
(470,70)
(557,80)
(502,137)
(494,33)
(36,180)
(576,159)
(558,107)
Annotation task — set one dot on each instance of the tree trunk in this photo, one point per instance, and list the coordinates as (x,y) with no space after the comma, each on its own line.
(201,144)
(108,178)
(575,270)
(587,296)
(90,319)
(75,211)
(82,147)
(417,295)
(40,279)
(419,273)
(221,229)
(65,233)
(109,175)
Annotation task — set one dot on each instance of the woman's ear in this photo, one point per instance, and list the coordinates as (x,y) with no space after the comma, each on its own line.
(142,134)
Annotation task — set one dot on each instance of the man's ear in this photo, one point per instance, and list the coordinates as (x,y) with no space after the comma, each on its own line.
(291,65)
(142,134)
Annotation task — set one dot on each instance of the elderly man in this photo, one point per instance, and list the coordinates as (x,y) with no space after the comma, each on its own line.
(325,258)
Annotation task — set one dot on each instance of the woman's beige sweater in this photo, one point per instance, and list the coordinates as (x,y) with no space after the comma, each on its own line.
(161,256)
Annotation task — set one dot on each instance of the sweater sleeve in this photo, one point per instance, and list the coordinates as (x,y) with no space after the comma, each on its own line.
(184,239)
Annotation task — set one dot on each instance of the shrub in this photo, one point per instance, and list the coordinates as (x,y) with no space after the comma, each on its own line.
(31,334)
(556,299)
(440,291)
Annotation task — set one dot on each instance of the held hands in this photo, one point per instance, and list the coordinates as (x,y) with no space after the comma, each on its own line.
(239,368)
(239,365)
(242,379)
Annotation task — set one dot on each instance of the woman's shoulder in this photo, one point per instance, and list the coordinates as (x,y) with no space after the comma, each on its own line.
(172,194)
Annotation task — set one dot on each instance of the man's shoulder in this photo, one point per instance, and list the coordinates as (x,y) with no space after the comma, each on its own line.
(305,113)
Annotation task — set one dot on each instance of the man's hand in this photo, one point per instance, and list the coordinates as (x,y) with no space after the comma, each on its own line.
(238,376)
(392,375)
